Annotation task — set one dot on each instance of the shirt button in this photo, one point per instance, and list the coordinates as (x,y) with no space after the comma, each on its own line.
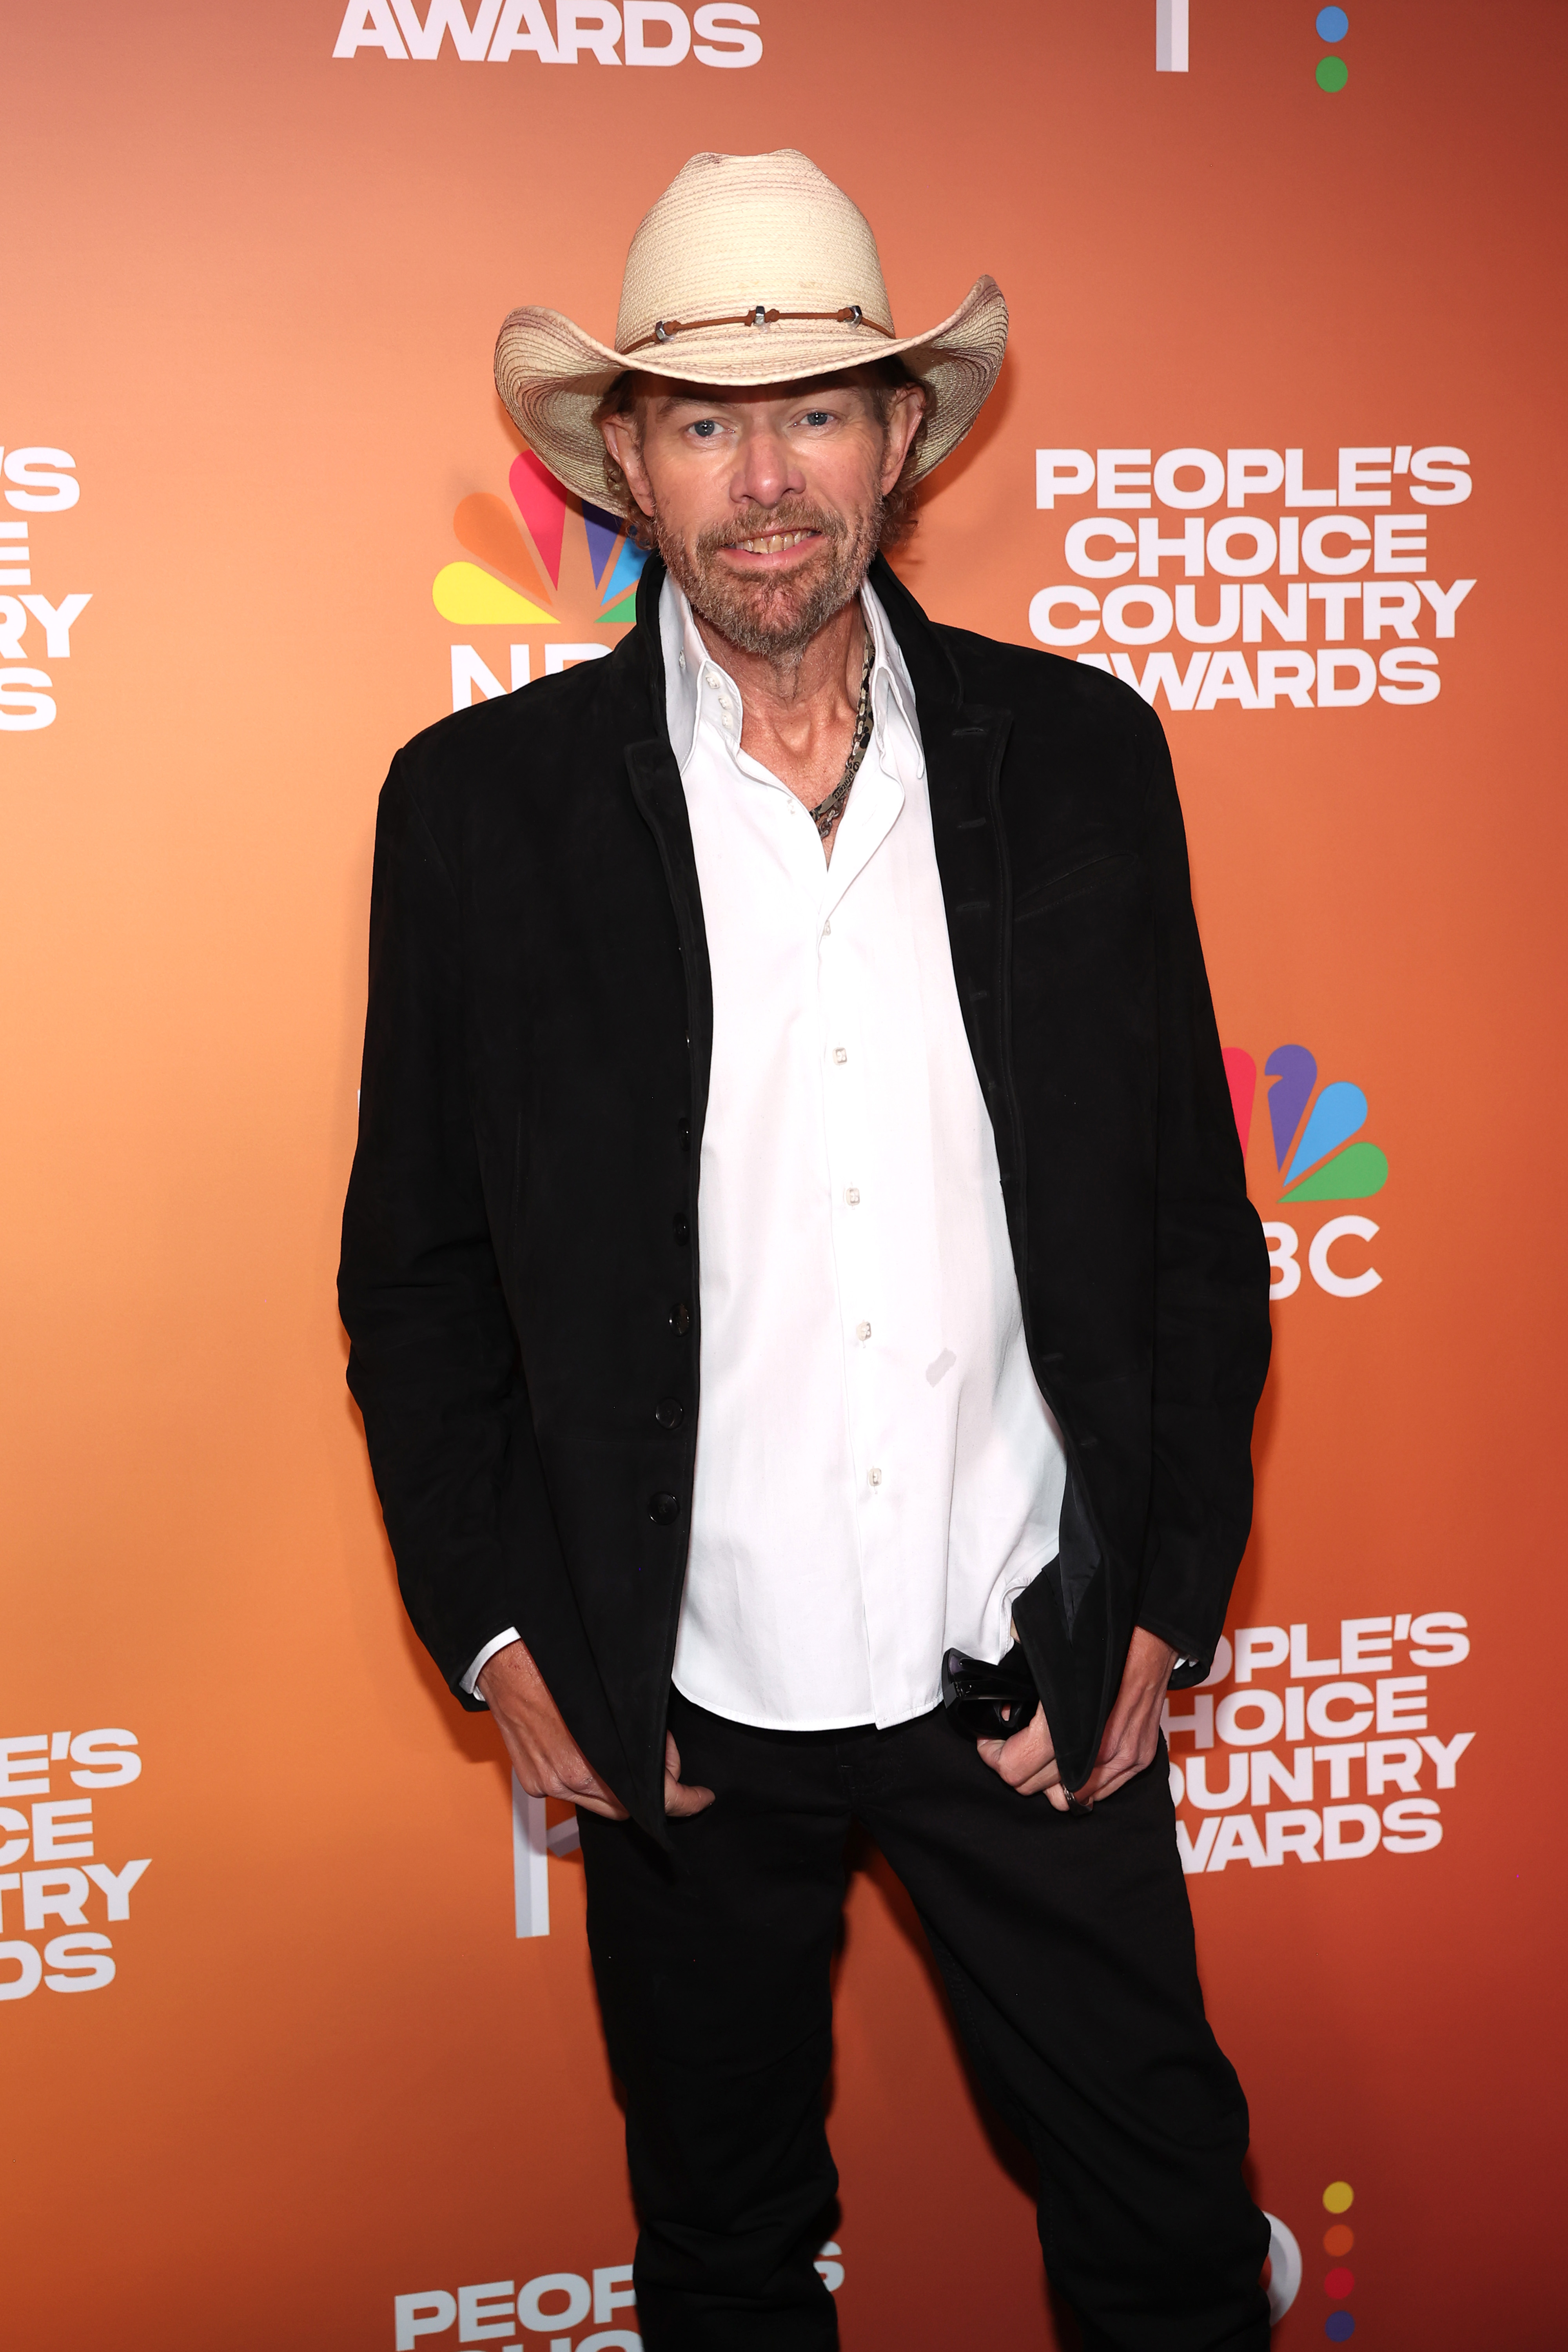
(680,1229)
(669,1413)
(839,1054)
(862,1330)
(874,1477)
(680,1319)
(825,929)
(852,1197)
(664,1509)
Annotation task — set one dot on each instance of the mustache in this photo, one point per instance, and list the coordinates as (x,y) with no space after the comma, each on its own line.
(765,522)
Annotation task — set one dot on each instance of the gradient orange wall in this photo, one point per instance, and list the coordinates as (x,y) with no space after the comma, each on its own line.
(251,292)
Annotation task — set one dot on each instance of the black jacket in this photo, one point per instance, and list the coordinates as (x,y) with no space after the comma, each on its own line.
(519,1274)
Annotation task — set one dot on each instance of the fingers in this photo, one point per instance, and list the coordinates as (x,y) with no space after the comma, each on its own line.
(1122,1758)
(682,1799)
(607,1807)
(679,1799)
(560,1769)
(1027,1761)
(583,1788)
(1112,1772)
(1107,1778)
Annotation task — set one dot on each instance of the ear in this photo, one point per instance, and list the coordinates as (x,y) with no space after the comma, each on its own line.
(904,415)
(624,445)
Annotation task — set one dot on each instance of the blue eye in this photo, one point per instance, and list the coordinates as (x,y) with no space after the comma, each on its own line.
(706,426)
(820,416)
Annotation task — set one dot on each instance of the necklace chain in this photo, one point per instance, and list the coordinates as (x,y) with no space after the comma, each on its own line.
(826,813)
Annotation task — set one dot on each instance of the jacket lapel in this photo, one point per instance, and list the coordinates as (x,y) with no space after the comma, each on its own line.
(964,743)
(660,797)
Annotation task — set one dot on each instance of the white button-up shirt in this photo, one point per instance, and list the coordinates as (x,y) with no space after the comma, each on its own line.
(878,1476)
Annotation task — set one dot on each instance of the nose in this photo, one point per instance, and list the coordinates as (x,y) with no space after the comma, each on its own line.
(768,468)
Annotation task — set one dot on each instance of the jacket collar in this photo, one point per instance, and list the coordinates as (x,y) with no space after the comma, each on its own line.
(934,672)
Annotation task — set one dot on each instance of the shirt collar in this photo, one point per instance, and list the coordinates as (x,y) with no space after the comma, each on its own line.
(688,665)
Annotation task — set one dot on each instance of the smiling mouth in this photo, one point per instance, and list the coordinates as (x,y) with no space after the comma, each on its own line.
(776,543)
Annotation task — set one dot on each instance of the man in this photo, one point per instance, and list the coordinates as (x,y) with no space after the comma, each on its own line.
(798,1230)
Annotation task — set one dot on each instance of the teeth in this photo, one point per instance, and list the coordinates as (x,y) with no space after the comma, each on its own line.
(776,544)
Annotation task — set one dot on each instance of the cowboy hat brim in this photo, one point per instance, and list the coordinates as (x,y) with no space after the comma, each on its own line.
(552,376)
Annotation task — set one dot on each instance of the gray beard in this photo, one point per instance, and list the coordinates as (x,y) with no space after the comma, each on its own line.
(772,619)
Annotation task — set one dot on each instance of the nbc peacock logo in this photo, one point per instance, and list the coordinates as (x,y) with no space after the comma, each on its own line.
(546,562)
(1325,1164)
(1320,1155)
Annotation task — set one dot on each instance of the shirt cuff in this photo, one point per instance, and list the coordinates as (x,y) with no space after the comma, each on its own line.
(500,1641)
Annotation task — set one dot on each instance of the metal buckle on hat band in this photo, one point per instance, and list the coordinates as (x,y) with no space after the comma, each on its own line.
(759,315)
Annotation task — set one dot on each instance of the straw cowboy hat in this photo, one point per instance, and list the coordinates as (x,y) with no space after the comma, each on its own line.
(750,269)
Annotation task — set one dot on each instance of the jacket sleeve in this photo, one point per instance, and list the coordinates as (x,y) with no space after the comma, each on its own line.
(1212,1331)
(433,1363)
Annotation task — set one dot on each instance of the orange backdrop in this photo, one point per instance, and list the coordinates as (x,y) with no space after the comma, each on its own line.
(251,292)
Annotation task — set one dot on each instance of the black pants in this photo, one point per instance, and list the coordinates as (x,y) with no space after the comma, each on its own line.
(1066,1949)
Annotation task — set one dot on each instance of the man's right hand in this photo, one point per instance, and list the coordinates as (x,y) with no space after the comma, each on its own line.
(546,1759)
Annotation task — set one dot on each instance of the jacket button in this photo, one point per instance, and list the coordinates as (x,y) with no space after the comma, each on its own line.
(682,1230)
(669,1413)
(664,1509)
(680,1319)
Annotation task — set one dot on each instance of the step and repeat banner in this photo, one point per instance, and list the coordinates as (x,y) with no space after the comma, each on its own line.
(300,2040)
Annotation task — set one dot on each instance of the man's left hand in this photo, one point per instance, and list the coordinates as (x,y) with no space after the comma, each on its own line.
(1027,1761)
